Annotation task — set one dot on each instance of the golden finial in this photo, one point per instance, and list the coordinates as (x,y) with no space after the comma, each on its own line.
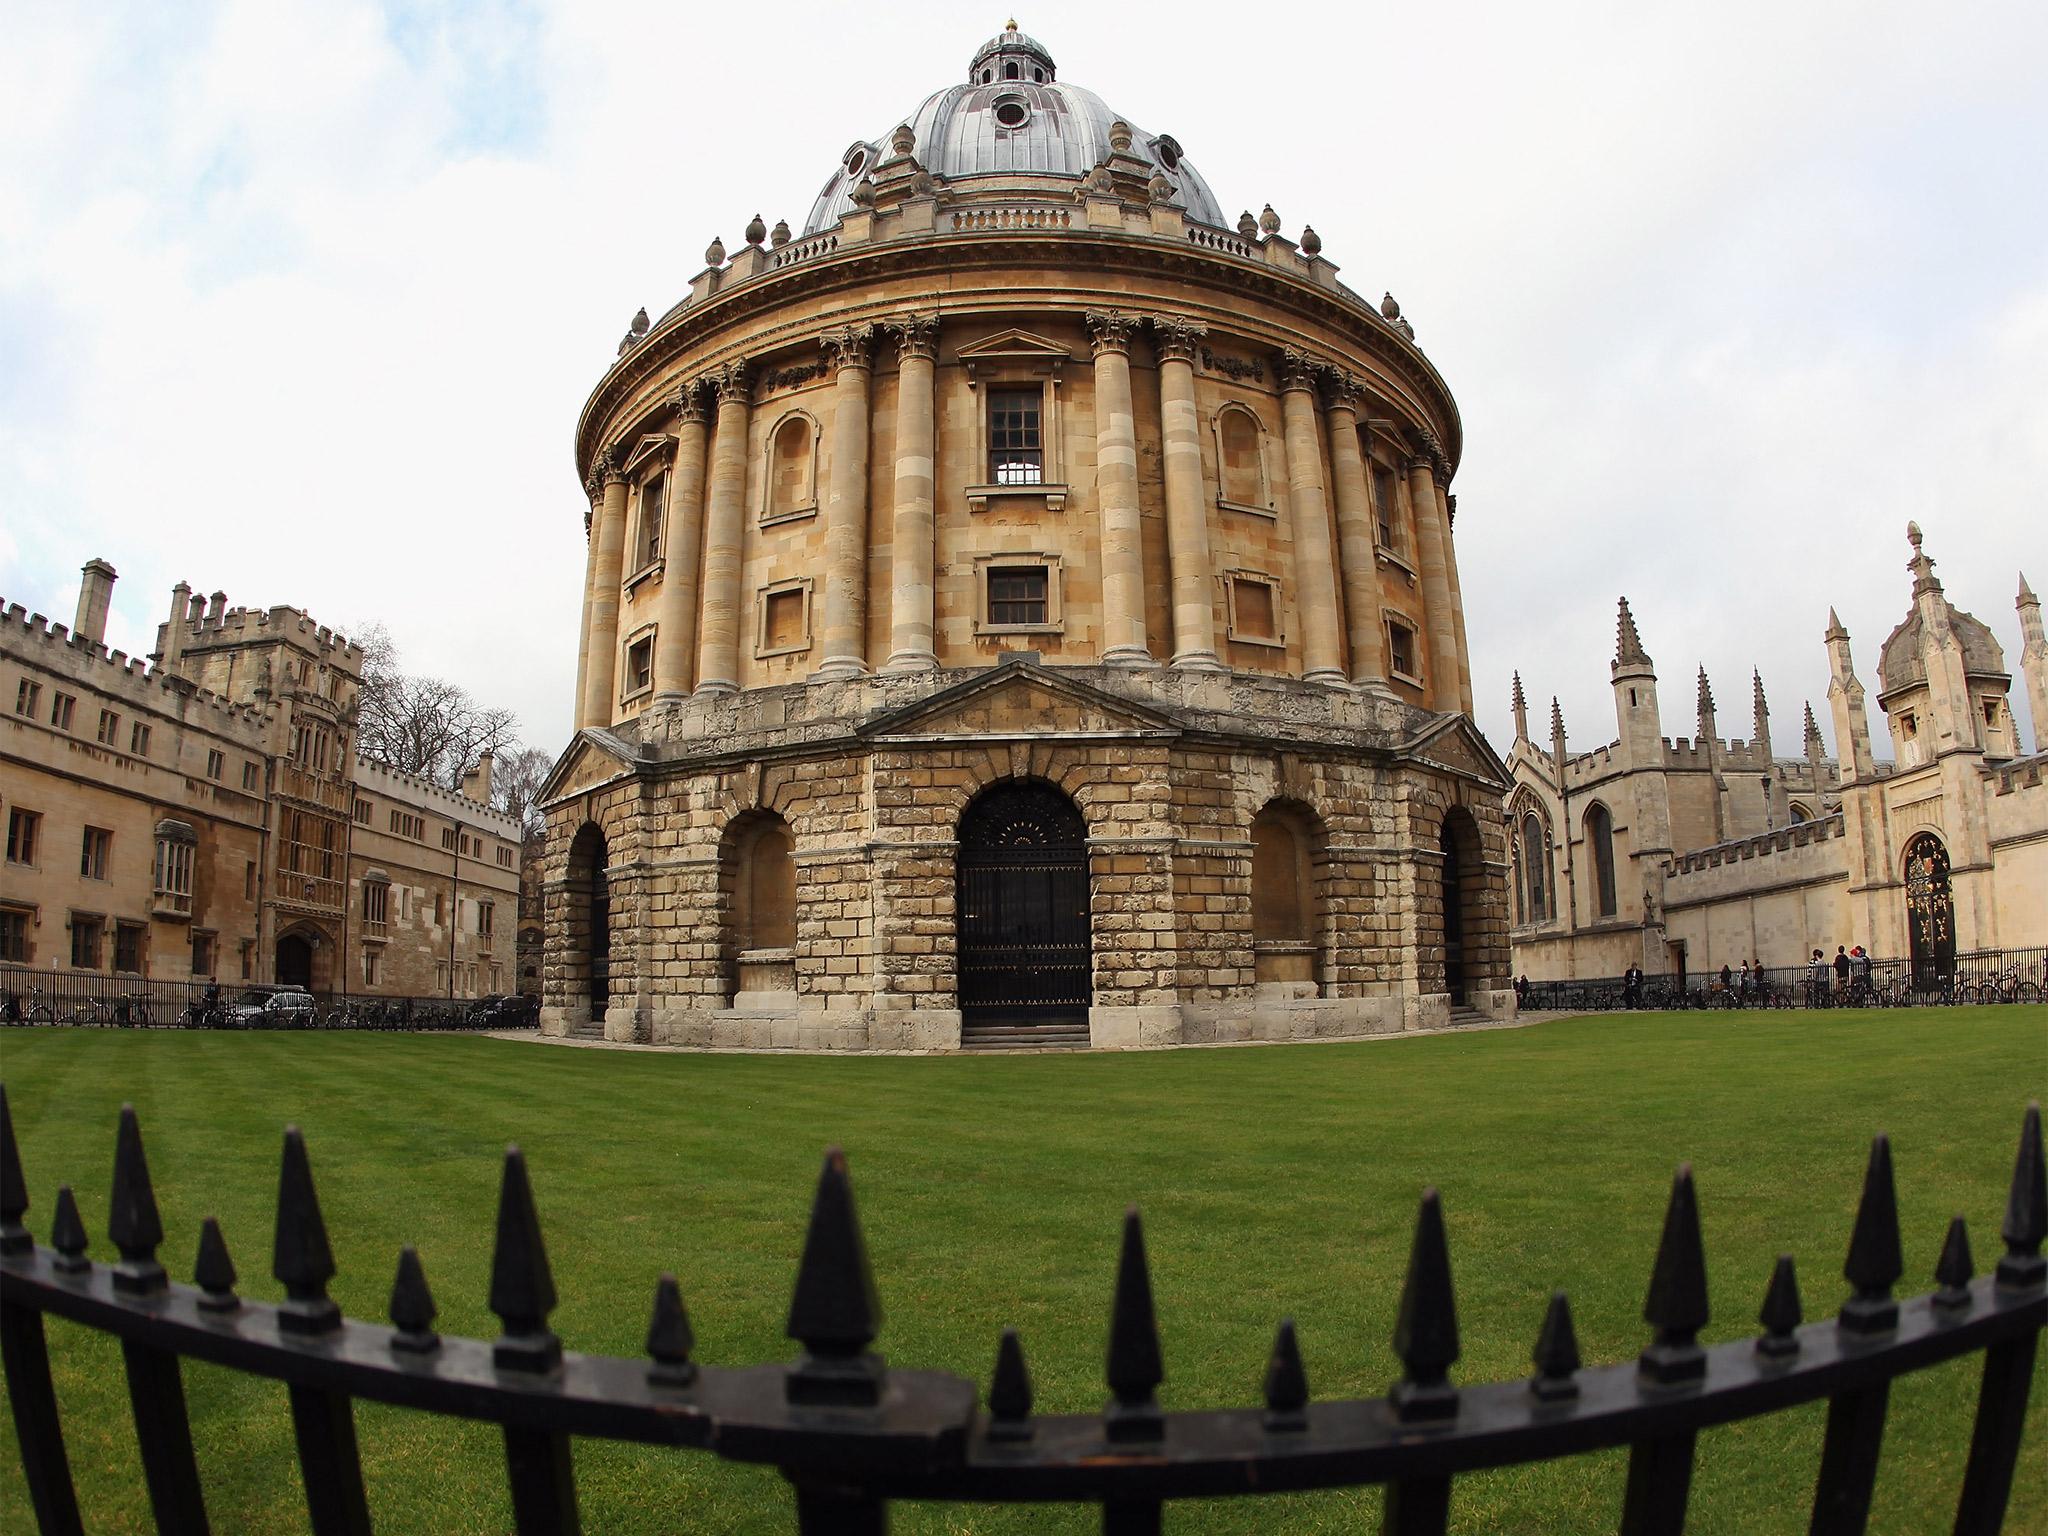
(1012,26)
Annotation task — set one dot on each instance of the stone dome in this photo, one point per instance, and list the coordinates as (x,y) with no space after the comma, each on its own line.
(1014,121)
(1900,665)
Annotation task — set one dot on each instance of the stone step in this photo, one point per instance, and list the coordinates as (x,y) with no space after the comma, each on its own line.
(1024,1037)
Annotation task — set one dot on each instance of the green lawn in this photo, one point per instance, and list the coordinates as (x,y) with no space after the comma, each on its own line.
(1273,1180)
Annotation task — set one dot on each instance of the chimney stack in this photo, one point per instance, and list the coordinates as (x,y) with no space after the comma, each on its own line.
(217,605)
(476,784)
(95,596)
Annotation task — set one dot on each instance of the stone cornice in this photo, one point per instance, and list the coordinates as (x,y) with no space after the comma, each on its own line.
(1391,363)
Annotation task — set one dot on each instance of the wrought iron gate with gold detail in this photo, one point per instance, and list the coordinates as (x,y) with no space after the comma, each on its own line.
(1930,914)
(1021,894)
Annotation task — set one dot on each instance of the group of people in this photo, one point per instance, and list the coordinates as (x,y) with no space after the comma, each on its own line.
(1851,968)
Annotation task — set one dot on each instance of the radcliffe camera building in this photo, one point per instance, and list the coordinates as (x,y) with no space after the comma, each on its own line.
(202,814)
(1021,605)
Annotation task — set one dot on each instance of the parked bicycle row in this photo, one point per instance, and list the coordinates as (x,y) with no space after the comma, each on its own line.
(38,998)
(1980,978)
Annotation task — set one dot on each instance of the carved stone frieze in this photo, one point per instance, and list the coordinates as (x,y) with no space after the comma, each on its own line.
(1236,369)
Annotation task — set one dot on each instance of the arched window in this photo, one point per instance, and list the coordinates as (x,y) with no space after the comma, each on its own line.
(1800,812)
(791,480)
(1010,72)
(1535,852)
(1240,466)
(1600,840)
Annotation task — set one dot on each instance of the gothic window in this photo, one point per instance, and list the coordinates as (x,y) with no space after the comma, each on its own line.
(1016,448)
(176,843)
(1600,840)
(1535,863)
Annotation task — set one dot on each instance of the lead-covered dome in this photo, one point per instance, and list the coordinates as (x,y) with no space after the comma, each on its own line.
(1014,119)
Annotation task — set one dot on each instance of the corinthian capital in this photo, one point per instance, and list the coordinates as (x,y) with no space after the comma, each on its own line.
(1177,337)
(1428,451)
(916,335)
(1298,370)
(1342,391)
(611,466)
(731,381)
(689,401)
(847,347)
(1110,331)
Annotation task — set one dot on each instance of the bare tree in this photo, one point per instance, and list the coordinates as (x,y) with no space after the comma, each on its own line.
(423,725)
(516,779)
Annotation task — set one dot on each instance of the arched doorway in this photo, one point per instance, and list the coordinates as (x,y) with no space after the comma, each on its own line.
(589,958)
(1930,914)
(294,961)
(1021,907)
(1463,890)
(1454,925)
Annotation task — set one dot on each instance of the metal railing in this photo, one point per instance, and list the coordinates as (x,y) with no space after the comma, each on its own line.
(29,996)
(1977,976)
(852,1434)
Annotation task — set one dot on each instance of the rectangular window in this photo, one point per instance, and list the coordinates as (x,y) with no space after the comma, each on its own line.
(248,958)
(505,858)
(1384,507)
(441,977)
(1017,595)
(782,621)
(27,697)
(1016,452)
(440,910)
(174,873)
(448,838)
(362,812)
(61,706)
(373,967)
(1401,648)
(250,780)
(21,835)
(93,849)
(110,728)
(138,740)
(640,665)
(486,922)
(249,882)
(204,947)
(85,942)
(497,978)
(13,936)
(128,947)
(651,499)
(216,765)
(1254,610)
(376,902)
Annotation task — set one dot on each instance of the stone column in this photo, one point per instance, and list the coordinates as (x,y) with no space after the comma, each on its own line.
(846,506)
(1436,585)
(593,487)
(609,539)
(718,643)
(1355,534)
(1315,561)
(1116,493)
(1187,509)
(676,638)
(910,552)
(1447,504)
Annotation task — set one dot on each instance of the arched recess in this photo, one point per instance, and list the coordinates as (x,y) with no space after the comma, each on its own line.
(789,479)
(587,928)
(1800,812)
(757,884)
(1241,479)
(1463,933)
(1529,854)
(1930,913)
(1288,910)
(1020,903)
(1600,848)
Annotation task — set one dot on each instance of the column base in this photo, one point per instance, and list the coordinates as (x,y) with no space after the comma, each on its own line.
(1377,687)
(1197,661)
(837,668)
(1129,656)
(1327,677)
(911,661)
(716,685)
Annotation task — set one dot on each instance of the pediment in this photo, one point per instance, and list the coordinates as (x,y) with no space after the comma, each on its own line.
(592,758)
(1011,348)
(653,446)
(1456,744)
(1020,699)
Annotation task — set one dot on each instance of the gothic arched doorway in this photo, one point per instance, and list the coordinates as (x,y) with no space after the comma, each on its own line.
(589,959)
(1930,914)
(294,961)
(1021,903)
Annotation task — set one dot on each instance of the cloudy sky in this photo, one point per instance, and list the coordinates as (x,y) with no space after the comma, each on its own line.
(299,300)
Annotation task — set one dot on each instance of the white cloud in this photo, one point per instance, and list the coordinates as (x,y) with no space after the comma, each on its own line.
(300,301)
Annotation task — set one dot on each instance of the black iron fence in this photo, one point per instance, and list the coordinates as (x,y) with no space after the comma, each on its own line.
(1978,976)
(32,996)
(852,1434)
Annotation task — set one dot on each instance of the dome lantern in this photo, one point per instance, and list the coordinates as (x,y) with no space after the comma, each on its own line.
(1011,55)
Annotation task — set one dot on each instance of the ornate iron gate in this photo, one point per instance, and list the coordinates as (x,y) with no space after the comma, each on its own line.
(1930,914)
(1021,894)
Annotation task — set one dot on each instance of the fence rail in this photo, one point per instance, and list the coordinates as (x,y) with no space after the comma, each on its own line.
(1979,976)
(852,1434)
(32,996)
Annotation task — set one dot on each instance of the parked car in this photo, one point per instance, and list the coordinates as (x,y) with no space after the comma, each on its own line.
(503,1011)
(292,1009)
(251,1008)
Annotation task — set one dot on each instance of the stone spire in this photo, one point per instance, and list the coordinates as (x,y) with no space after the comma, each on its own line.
(1812,729)
(1557,737)
(1628,645)
(2034,661)
(1921,565)
(1706,707)
(1845,699)
(1816,755)
(1760,716)
(1521,706)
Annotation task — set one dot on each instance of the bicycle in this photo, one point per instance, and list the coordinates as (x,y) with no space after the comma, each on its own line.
(91,1012)
(132,1012)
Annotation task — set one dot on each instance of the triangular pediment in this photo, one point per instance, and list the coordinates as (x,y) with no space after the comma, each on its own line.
(1454,742)
(1020,699)
(1013,346)
(593,757)
(655,446)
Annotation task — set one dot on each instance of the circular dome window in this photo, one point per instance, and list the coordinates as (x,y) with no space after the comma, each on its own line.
(1011,113)
(1168,152)
(856,162)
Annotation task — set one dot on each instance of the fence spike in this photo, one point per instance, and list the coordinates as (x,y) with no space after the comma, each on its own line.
(1677,1304)
(1009,1391)
(670,1337)
(1135,1369)
(522,1286)
(299,1256)
(1875,1261)
(1426,1328)
(1556,1356)
(67,1235)
(1954,1269)
(14,1236)
(834,1312)
(2026,1211)
(412,1306)
(1286,1382)
(132,1220)
(213,1271)
(1782,1313)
